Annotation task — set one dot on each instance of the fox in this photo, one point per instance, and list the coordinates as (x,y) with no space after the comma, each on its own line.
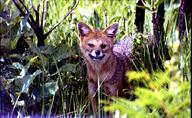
(106,61)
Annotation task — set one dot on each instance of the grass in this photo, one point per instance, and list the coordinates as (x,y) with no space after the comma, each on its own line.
(54,90)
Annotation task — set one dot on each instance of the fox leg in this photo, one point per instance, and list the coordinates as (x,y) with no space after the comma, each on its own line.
(92,89)
(111,90)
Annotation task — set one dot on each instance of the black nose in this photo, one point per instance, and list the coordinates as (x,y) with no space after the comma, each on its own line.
(97,52)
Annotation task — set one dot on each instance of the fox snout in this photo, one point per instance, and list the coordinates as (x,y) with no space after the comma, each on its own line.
(96,55)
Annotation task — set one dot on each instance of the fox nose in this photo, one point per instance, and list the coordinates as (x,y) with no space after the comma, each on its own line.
(97,52)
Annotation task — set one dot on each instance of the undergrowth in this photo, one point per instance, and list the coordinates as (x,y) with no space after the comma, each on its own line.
(50,80)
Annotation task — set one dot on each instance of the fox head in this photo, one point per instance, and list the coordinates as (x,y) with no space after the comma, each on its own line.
(96,45)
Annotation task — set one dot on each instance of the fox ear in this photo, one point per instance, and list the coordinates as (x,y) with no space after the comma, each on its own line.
(111,30)
(83,29)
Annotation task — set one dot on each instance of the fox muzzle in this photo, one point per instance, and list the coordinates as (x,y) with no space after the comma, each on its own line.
(96,55)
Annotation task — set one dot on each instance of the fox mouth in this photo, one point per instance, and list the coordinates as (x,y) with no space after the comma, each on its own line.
(96,57)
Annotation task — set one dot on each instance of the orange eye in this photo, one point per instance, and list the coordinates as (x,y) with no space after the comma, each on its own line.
(90,45)
(103,46)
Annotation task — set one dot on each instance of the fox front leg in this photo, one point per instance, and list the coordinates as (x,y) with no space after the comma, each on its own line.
(112,89)
(92,89)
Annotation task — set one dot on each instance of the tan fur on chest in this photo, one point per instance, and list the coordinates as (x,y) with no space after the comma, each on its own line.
(101,72)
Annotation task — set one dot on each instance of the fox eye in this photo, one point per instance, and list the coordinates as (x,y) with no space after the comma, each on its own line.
(103,46)
(90,45)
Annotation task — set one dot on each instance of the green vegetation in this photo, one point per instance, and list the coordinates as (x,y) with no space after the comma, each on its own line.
(164,94)
(50,79)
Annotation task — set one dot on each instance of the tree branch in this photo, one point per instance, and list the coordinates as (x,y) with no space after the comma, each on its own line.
(36,13)
(30,16)
(37,25)
(21,11)
(62,19)
(46,14)
(30,19)
(43,13)
(18,7)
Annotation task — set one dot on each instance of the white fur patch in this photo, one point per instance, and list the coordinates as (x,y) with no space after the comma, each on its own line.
(93,53)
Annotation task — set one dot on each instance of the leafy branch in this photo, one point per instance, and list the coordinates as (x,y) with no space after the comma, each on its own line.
(37,26)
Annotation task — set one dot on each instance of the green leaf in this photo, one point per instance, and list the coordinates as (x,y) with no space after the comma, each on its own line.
(27,80)
(47,90)
(115,19)
(62,52)
(68,68)
(129,108)
(138,76)
(46,49)
(14,30)
(158,2)
(51,88)
(63,55)
(148,97)
(20,67)
(33,47)
(24,22)
(4,28)
(148,5)
(96,19)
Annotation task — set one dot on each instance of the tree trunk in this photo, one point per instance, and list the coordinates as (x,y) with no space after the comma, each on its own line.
(160,20)
(140,16)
